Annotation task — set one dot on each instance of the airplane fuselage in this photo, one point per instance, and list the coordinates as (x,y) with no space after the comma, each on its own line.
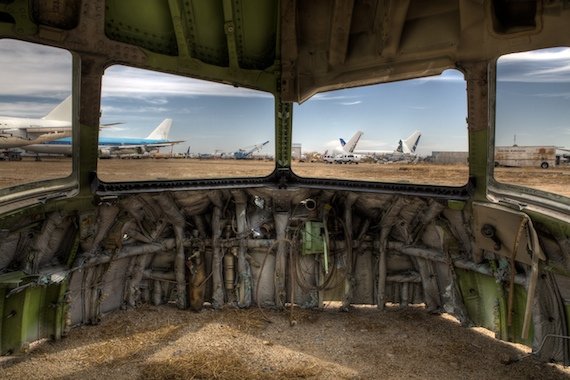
(18,132)
(107,145)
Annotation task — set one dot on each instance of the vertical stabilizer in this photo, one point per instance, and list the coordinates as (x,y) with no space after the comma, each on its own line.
(410,144)
(161,132)
(61,112)
(351,144)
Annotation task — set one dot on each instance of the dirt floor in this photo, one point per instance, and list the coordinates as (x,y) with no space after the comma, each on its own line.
(364,343)
(556,180)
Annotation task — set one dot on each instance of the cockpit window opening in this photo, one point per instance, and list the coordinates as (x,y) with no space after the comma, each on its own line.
(36,110)
(532,136)
(411,131)
(178,128)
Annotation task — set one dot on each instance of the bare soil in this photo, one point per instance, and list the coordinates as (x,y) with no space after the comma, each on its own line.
(556,180)
(364,343)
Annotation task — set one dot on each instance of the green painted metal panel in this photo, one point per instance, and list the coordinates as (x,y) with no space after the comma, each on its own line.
(207,38)
(147,24)
(51,312)
(480,298)
(11,335)
(478,154)
(256,23)
(2,302)
(486,303)
(312,238)
(33,302)
(29,314)
(283,128)
(15,17)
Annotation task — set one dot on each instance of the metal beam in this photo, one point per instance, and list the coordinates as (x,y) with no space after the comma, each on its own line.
(340,31)
(395,19)
(180,28)
(230,30)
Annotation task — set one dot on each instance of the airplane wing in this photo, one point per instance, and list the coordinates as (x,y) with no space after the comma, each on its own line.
(160,145)
(101,126)
(19,137)
(141,147)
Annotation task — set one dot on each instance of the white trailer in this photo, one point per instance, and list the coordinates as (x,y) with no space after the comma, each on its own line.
(526,156)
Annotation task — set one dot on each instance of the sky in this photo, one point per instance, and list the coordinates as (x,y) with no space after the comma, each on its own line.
(533,98)
(533,95)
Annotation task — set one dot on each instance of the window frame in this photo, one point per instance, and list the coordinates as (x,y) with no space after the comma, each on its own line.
(42,190)
(517,196)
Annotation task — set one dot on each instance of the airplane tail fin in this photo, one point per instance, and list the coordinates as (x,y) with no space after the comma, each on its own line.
(410,144)
(161,132)
(351,144)
(342,142)
(61,112)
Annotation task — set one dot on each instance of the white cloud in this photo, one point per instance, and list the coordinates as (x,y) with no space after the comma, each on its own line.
(450,75)
(551,54)
(34,70)
(351,103)
(39,71)
(563,95)
(332,96)
(121,81)
(25,109)
(539,66)
(331,144)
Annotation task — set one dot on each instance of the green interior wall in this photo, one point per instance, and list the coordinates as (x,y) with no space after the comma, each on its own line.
(29,315)
(486,302)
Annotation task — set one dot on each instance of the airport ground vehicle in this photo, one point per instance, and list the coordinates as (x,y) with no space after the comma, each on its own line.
(537,156)
(77,247)
(348,158)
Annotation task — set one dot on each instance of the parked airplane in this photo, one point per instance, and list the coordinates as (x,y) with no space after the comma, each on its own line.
(335,154)
(405,150)
(17,132)
(113,146)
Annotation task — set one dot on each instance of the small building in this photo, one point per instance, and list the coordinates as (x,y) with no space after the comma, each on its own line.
(295,151)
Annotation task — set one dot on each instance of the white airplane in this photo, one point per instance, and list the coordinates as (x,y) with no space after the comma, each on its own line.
(406,149)
(113,146)
(17,132)
(339,153)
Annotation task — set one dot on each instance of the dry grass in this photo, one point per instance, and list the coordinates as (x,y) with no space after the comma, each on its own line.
(222,364)
(556,180)
(365,343)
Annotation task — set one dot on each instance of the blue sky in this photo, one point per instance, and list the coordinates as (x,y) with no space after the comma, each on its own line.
(387,113)
(210,116)
(533,98)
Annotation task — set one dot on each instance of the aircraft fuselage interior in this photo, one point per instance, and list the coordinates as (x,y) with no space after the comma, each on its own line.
(488,247)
